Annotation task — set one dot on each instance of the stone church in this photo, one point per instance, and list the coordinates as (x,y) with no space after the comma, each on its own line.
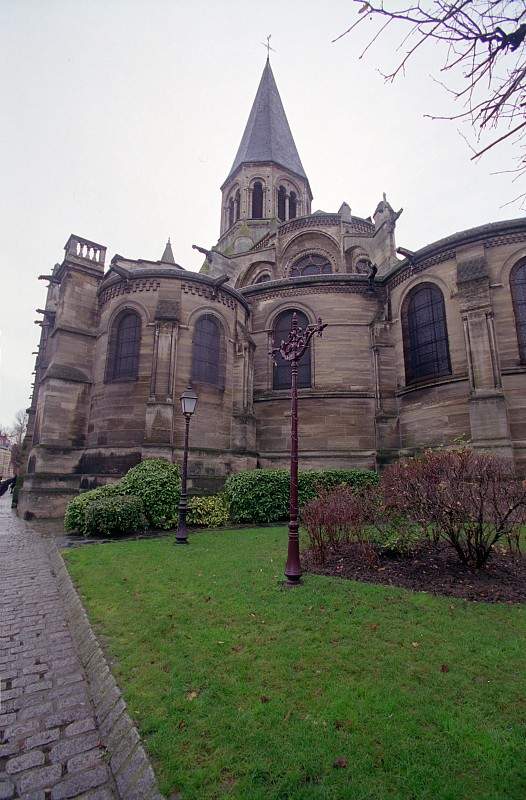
(421,346)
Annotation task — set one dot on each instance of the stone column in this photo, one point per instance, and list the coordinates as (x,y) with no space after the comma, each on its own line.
(487,405)
(386,422)
(160,406)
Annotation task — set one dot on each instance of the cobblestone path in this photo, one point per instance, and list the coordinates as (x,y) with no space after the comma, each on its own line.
(50,746)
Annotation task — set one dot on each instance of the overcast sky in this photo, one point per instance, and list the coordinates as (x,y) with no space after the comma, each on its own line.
(121,118)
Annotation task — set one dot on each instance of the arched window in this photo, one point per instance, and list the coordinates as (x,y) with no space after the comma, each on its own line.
(231,212)
(207,361)
(424,329)
(238,205)
(363,266)
(257,201)
(263,278)
(518,294)
(281,375)
(281,203)
(124,347)
(311,265)
(293,205)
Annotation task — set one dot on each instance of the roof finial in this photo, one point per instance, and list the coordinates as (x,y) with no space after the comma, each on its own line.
(168,256)
(269,48)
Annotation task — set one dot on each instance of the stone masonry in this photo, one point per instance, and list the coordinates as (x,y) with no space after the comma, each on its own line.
(64,729)
(394,373)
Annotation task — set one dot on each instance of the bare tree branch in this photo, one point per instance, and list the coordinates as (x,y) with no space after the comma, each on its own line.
(484,45)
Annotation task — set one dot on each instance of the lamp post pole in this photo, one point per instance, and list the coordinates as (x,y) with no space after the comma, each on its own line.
(188,405)
(292,350)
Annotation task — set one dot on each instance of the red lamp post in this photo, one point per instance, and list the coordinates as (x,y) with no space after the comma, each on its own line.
(292,350)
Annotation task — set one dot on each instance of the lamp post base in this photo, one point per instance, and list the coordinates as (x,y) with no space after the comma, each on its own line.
(291,584)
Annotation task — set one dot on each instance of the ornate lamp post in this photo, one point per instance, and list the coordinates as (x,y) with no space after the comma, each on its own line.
(188,406)
(292,350)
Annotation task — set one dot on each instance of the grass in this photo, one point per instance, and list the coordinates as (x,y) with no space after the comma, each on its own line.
(244,690)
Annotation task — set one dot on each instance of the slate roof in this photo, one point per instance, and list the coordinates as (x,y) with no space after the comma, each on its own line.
(168,256)
(267,135)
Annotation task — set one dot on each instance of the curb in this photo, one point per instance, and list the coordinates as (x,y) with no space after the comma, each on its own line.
(128,762)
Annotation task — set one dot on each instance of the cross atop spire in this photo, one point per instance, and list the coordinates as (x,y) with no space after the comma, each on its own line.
(267,137)
(269,48)
(168,256)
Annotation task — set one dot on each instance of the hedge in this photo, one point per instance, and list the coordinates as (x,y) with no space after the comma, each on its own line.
(262,495)
(208,512)
(156,482)
(114,516)
(75,516)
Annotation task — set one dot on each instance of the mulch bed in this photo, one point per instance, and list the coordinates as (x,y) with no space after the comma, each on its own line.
(433,568)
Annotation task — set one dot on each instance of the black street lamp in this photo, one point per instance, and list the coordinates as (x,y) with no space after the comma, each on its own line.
(292,350)
(188,406)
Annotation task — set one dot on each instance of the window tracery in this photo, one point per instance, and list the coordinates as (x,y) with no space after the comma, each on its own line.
(425,337)
(311,264)
(124,347)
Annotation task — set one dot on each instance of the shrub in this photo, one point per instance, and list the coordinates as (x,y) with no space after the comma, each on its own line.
(335,518)
(471,500)
(262,495)
(75,516)
(208,512)
(395,535)
(114,515)
(346,514)
(312,481)
(157,483)
(258,495)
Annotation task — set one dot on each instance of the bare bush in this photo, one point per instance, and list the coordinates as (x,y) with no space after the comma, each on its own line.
(471,500)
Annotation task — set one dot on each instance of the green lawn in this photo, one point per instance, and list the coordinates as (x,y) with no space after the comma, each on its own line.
(244,690)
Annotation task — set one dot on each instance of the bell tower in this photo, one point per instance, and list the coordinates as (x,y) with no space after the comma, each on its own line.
(266,184)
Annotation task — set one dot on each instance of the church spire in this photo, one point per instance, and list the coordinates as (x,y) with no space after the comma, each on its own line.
(168,256)
(267,137)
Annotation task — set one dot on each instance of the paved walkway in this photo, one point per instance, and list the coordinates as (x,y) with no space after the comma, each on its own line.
(50,747)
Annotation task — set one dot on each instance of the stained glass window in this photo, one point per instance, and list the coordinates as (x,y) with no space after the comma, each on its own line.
(207,364)
(426,348)
(281,377)
(311,265)
(518,293)
(124,347)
